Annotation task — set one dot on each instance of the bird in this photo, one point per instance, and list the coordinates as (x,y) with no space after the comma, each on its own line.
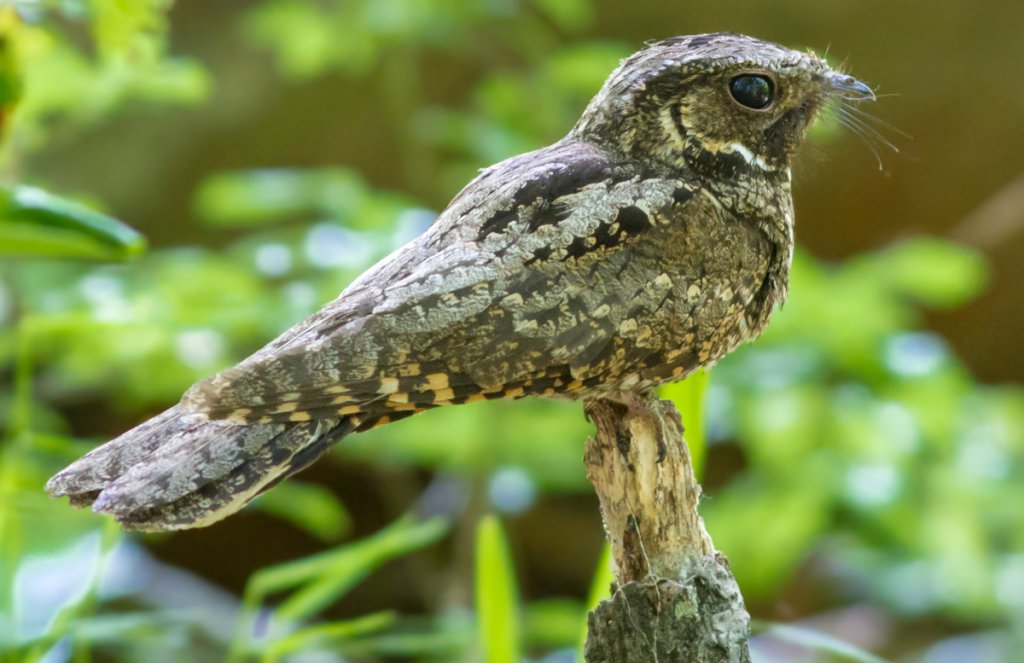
(650,241)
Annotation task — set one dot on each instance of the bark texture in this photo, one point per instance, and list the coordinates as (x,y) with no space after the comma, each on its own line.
(675,599)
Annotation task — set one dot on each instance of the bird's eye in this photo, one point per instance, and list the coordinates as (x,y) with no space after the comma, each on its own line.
(752,91)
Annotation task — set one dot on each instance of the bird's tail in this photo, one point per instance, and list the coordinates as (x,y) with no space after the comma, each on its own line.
(181,470)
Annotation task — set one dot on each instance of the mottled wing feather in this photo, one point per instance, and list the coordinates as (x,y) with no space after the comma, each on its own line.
(516,293)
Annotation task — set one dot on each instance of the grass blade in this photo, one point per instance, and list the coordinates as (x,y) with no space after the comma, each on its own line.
(322,579)
(327,634)
(816,641)
(600,589)
(497,602)
(688,397)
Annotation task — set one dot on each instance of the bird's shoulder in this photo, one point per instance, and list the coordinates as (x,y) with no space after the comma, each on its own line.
(532,191)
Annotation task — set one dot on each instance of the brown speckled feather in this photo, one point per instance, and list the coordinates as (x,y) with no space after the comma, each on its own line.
(650,241)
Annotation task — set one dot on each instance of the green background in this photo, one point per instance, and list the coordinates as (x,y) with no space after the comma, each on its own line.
(862,461)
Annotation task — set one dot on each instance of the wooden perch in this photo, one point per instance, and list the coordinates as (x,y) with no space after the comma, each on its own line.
(674,598)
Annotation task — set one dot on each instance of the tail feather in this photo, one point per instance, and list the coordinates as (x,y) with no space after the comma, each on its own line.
(283,457)
(104,464)
(180,470)
(193,457)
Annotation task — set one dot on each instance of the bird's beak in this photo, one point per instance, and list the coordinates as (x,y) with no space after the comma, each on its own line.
(849,87)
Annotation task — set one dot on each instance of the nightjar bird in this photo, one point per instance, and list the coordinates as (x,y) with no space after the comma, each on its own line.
(650,241)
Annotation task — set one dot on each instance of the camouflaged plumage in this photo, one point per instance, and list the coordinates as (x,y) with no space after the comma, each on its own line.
(650,241)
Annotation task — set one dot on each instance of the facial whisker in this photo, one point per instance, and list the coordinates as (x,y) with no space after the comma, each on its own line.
(867,133)
(874,120)
(866,130)
(870,123)
(870,145)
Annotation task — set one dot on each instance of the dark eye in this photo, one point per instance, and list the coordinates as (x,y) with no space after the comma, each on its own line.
(752,91)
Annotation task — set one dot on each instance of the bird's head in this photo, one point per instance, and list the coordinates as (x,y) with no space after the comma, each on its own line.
(718,103)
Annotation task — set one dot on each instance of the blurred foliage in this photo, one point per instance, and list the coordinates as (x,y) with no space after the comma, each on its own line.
(68,84)
(497,605)
(502,119)
(315,583)
(869,433)
(817,641)
(874,469)
(309,39)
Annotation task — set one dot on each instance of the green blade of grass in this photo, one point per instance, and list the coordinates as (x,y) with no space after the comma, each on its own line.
(310,507)
(688,397)
(327,634)
(325,577)
(497,603)
(551,623)
(356,561)
(448,637)
(600,588)
(816,641)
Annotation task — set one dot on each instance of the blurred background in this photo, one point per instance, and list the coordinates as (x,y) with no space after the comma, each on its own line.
(863,462)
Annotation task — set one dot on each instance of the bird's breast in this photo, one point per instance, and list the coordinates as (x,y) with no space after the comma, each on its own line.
(717,280)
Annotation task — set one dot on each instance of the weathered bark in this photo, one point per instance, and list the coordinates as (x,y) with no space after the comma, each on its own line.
(674,597)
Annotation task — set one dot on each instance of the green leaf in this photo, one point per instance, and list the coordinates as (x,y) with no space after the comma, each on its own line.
(497,602)
(119,26)
(826,127)
(255,197)
(36,223)
(11,84)
(304,37)
(308,506)
(789,515)
(573,15)
(251,198)
(600,588)
(604,577)
(688,397)
(936,272)
(120,628)
(816,641)
(552,623)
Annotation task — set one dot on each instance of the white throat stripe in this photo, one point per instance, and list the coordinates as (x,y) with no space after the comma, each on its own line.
(748,156)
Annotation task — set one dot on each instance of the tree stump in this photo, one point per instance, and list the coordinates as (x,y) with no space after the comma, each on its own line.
(674,599)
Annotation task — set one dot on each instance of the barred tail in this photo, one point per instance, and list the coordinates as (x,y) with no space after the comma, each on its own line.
(181,470)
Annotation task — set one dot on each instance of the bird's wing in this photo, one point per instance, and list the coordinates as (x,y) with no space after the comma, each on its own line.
(516,289)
